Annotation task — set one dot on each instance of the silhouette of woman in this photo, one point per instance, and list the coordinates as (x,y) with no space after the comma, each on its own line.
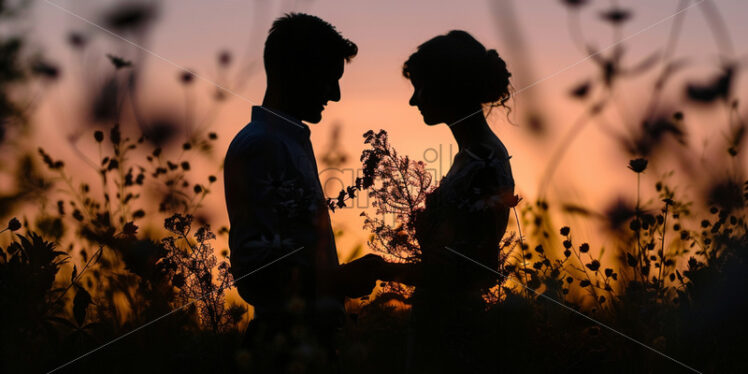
(454,78)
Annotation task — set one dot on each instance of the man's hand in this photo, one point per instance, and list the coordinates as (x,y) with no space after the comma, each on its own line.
(358,277)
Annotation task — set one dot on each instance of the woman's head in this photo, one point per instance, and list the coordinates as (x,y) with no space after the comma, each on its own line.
(453,75)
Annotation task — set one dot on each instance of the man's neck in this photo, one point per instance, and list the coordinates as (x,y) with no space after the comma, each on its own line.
(274,102)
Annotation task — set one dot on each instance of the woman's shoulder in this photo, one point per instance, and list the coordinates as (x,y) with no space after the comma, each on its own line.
(489,150)
(489,164)
(481,167)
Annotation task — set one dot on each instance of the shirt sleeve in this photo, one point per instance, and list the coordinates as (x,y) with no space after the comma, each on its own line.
(272,215)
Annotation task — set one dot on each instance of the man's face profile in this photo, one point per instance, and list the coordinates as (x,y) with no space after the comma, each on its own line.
(314,88)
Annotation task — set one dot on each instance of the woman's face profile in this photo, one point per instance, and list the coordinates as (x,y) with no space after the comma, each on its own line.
(429,103)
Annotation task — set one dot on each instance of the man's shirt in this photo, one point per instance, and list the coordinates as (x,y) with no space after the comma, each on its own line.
(276,205)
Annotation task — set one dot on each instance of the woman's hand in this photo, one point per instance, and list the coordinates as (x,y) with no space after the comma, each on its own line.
(359,277)
(406,273)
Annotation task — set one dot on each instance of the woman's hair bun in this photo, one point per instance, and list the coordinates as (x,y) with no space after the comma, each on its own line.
(458,65)
(495,79)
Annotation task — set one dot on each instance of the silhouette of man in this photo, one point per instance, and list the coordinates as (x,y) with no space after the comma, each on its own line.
(276,206)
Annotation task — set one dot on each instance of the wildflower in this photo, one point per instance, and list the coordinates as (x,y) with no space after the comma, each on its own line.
(220,94)
(203,234)
(99,136)
(635,225)
(224,58)
(77,40)
(45,70)
(638,165)
(594,265)
(115,135)
(186,77)
(584,248)
(684,235)
(510,200)
(14,224)
(119,62)
(727,195)
(178,224)
(616,15)
(131,17)
(77,215)
(574,3)
(565,231)
(630,260)
(581,91)
(178,280)
(719,87)
(129,230)
(113,164)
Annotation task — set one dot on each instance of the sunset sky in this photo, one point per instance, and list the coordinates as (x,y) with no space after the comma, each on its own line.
(190,33)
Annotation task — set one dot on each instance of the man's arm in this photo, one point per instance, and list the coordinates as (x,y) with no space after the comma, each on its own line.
(407,273)
(260,183)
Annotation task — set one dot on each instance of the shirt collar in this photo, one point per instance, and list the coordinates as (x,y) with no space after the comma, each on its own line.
(280,122)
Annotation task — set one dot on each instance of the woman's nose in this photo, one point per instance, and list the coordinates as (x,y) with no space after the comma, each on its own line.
(412,101)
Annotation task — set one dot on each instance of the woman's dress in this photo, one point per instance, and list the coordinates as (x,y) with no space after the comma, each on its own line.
(459,233)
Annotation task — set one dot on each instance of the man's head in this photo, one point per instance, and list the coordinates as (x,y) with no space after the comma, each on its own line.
(304,59)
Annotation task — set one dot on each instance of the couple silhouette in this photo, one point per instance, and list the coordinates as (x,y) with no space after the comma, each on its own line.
(283,251)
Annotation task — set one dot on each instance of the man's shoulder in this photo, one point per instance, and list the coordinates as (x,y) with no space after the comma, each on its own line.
(254,138)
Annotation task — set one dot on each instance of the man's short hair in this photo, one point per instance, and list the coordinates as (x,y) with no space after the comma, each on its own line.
(299,38)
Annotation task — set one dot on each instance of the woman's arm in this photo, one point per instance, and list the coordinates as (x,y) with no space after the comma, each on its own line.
(358,277)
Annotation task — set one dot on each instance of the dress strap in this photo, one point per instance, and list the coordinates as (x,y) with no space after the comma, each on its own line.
(473,155)
(491,152)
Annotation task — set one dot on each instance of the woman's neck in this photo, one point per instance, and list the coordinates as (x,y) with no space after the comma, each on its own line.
(471,131)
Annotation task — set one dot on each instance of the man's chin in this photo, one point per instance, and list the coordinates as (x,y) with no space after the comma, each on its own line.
(430,121)
(313,117)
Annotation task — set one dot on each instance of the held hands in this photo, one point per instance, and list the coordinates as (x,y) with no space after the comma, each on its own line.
(358,277)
